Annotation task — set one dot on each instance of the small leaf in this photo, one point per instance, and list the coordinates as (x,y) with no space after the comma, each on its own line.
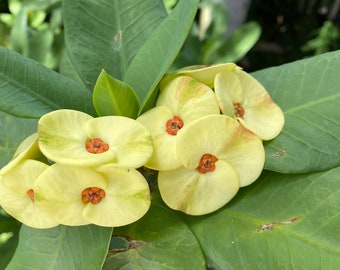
(279,222)
(114,97)
(308,93)
(160,240)
(62,247)
(159,51)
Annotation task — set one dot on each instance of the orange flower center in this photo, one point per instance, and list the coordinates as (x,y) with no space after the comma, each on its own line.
(93,195)
(239,110)
(174,125)
(96,146)
(207,163)
(30,193)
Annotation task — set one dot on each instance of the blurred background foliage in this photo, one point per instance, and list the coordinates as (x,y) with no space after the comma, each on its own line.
(254,33)
(33,28)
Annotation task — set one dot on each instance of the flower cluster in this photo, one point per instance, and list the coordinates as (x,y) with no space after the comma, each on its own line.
(207,129)
(93,176)
(204,137)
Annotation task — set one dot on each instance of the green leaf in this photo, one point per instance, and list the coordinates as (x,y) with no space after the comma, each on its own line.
(9,229)
(279,222)
(40,46)
(308,93)
(160,240)
(13,131)
(28,89)
(62,247)
(159,51)
(114,97)
(106,35)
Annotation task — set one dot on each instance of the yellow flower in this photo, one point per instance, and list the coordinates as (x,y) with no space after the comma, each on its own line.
(181,101)
(108,196)
(241,96)
(76,138)
(17,194)
(218,156)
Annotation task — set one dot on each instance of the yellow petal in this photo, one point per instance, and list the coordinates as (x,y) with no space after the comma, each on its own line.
(195,193)
(245,152)
(58,192)
(128,139)
(262,115)
(164,155)
(188,98)
(207,135)
(225,138)
(14,198)
(127,198)
(204,75)
(62,139)
(228,91)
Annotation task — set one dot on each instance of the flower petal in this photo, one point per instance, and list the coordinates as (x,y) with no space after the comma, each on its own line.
(127,198)
(205,74)
(14,198)
(128,139)
(262,115)
(195,193)
(28,149)
(188,98)
(207,135)
(228,91)
(245,152)
(58,192)
(225,138)
(164,155)
(62,139)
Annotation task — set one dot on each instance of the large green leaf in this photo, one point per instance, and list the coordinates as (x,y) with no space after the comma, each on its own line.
(308,93)
(13,131)
(29,90)
(157,54)
(160,240)
(62,247)
(103,34)
(279,222)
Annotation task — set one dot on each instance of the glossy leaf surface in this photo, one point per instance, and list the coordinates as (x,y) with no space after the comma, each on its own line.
(160,240)
(157,54)
(13,131)
(62,247)
(279,222)
(114,97)
(106,35)
(29,90)
(308,93)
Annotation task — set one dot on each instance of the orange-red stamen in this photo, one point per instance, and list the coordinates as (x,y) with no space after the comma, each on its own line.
(30,193)
(174,125)
(207,163)
(96,146)
(93,195)
(239,110)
